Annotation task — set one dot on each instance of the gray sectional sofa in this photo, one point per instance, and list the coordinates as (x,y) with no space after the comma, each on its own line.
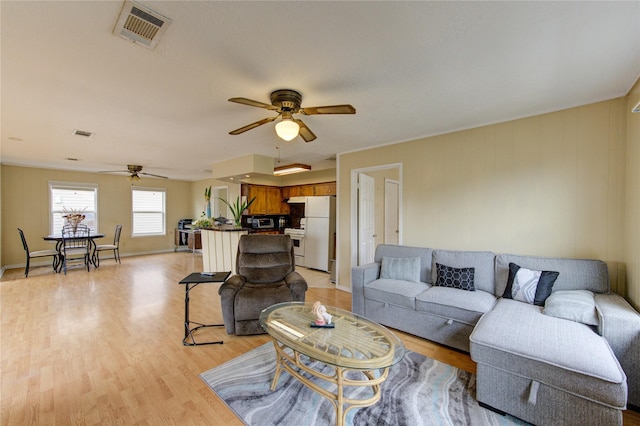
(573,358)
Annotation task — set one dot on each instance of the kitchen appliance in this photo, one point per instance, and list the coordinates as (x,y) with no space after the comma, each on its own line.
(319,231)
(262,223)
(297,238)
(183,238)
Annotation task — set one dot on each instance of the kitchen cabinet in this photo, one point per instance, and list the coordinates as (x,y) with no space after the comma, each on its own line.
(268,200)
(274,201)
(309,190)
(259,205)
(327,188)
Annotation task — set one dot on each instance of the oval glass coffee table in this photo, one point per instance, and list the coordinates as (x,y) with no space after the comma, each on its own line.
(355,344)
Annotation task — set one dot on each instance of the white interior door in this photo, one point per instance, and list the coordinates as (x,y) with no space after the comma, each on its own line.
(366,219)
(391,205)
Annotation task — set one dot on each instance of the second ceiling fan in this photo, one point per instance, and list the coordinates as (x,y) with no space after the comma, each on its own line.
(286,103)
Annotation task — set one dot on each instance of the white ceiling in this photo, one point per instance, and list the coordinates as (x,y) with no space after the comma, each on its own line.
(411,69)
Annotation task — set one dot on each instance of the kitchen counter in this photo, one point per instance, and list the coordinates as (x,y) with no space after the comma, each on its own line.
(225,228)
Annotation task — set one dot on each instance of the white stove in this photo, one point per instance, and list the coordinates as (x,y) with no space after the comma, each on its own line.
(297,238)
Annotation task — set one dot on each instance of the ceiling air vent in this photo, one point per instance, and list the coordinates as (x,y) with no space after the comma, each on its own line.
(83,133)
(140,24)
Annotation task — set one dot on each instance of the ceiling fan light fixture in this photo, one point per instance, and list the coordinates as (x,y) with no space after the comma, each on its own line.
(287,129)
(290,169)
(133,178)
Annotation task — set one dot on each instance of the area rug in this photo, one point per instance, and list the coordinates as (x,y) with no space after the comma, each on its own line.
(418,391)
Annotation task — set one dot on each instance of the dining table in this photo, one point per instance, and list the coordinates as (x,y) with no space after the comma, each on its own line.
(58,239)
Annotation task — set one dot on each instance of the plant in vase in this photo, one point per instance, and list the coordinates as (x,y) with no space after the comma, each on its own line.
(73,217)
(237,208)
(203,222)
(207,201)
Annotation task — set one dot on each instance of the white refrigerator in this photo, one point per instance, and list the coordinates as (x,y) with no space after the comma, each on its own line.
(319,238)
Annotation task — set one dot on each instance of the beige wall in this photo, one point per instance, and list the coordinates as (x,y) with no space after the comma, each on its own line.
(550,185)
(632,212)
(25,199)
(197,194)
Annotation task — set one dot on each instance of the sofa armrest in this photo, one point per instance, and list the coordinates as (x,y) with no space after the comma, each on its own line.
(297,286)
(620,325)
(227,292)
(361,275)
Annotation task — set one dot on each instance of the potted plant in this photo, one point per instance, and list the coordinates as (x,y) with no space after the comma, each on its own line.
(237,208)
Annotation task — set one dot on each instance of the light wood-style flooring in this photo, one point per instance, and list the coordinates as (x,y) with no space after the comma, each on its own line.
(105,347)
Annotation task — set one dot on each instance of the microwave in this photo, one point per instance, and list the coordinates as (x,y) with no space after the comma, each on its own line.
(262,223)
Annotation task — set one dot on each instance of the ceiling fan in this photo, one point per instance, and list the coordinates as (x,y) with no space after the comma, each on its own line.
(135,171)
(286,103)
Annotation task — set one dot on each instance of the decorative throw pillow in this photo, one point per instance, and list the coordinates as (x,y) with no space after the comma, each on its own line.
(528,285)
(462,278)
(574,305)
(401,268)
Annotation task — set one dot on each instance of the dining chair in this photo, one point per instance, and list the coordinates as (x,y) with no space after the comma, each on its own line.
(75,245)
(38,253)
(105,247)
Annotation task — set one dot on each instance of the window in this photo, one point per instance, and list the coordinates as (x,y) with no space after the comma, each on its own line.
(67,196)
(148,211)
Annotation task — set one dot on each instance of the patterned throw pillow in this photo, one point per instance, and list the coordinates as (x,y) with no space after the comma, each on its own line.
(461,278)
(528,285)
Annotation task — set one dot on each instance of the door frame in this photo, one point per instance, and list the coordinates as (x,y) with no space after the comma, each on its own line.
(354,204)
(396,200)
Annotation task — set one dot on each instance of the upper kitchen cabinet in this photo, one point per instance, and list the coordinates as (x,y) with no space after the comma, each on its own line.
(275,204)
(327,188)
(301,191)
(309,190)
(268,199)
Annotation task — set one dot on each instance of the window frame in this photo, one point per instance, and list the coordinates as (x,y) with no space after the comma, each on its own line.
(77,186)
(163,212)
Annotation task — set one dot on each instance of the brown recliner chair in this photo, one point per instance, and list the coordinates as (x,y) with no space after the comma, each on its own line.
(265,275)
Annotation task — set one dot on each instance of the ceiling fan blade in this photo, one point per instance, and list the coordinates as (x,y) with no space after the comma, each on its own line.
(329,109)
(305,132)
(151,174)
(253,125)
(251,102)
(115,171)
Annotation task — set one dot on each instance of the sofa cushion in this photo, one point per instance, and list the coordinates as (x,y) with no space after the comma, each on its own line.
(425,254)
(575,274)
(460,278)
(481,261)
(529,285)
(401,268)
(516,337)
(397,292)
(459,305)
(573,305)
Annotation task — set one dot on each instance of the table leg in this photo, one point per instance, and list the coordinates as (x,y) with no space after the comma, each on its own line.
(188,331)
(294,365)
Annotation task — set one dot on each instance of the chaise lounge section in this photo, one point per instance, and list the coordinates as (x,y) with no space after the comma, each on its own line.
(563,363)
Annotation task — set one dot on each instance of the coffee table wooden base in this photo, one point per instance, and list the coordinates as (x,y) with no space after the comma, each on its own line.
(293,364)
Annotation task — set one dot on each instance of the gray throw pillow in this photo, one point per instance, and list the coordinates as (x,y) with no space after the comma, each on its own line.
(574,305)
(401,268)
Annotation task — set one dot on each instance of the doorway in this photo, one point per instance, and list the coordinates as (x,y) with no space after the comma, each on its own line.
(367,210)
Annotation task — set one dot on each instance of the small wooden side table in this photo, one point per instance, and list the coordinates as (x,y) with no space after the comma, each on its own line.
(190,282)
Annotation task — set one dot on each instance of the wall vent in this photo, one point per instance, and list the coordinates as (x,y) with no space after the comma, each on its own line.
(82,133)
(140,24)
